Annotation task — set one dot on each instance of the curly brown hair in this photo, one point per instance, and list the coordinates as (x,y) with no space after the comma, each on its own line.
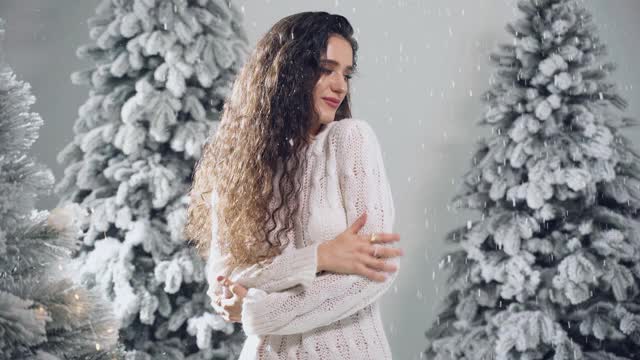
(265,124)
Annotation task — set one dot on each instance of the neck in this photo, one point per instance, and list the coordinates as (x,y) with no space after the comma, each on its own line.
(315,130)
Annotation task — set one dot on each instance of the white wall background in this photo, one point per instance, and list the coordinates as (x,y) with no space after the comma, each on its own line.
(423,65)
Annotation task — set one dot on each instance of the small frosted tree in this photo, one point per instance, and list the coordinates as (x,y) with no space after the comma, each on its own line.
(163,71)
(43,314)
(551,268)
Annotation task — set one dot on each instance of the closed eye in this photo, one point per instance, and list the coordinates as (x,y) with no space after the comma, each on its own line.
(329,71)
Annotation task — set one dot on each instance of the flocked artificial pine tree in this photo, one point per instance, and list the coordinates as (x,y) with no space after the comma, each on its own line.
(43,314)
(551,269)
(163,70)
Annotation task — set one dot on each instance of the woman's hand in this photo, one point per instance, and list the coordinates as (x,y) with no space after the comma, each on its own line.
(229,305)
(350,253)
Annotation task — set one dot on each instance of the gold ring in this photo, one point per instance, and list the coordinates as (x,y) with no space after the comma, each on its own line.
(373,238)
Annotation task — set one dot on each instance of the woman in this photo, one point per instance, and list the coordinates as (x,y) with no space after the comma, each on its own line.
(287,172)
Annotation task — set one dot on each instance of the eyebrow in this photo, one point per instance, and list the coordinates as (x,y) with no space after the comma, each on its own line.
(335,63)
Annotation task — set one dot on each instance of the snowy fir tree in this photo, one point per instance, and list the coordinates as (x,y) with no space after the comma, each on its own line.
(163,69)
(43,313)
(550,269)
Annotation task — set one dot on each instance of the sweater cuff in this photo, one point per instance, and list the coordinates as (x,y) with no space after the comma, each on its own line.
(304,266)
(252,322)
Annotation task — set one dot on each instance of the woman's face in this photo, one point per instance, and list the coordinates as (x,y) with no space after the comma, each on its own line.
(332,86)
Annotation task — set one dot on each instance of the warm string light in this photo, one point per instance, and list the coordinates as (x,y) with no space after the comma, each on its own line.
(42,312)
(95,336)
(79,308)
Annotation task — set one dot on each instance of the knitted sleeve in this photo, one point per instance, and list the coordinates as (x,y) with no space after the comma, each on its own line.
(332,297)
(294,266)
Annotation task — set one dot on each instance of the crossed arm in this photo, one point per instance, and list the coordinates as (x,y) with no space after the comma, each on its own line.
(297,300)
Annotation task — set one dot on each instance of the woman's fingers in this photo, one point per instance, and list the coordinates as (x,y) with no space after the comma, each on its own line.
(231,308)
(358,224)
(384,252)
(371,274)
(231,303)
(227,304)
(226,293)
(381,238)
(378,264)
(217,308)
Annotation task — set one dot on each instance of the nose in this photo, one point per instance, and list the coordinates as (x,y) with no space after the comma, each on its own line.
(338,83)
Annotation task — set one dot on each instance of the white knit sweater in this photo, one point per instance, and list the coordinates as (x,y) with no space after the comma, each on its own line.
(292,312)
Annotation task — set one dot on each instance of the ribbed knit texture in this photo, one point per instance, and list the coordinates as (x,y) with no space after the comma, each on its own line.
(292,312)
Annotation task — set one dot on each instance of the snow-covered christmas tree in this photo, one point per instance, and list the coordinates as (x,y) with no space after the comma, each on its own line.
(163,71)
(551,268)
(43,314)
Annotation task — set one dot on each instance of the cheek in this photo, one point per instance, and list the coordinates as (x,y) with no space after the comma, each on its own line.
(321,86)
(318,91)
(317,98)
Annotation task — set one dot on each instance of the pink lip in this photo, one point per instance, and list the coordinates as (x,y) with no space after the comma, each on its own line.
(332,102)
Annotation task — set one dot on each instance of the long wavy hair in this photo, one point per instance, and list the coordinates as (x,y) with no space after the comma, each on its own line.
(264,131)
